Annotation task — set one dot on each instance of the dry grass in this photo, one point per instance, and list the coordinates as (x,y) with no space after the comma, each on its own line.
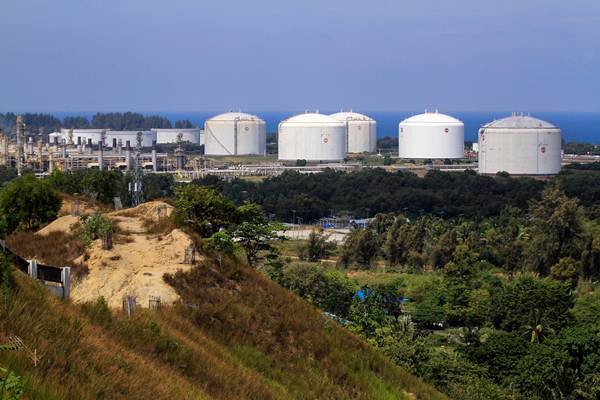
(235,335)
(240,308)
(56,248)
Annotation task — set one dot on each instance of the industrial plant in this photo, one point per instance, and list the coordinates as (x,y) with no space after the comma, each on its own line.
(520,145)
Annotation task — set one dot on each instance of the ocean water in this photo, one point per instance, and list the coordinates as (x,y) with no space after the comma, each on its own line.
(576,126)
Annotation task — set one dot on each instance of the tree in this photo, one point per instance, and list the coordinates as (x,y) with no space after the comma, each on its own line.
(254,236)
(330,290)
(7,174)
(318,246)
(202,209)
(27,203)
(500,353)
(527,302)
(566,270)
(220,243)
(183,124)
(557,230)
(360,247)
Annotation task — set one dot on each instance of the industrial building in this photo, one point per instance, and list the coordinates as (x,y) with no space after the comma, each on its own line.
(234,134)
(520,145)
(191,135)
(361,132)
(431,135)
(312,137)
(109,138)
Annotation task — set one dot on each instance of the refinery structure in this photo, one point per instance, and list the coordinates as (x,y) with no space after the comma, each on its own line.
(235,144)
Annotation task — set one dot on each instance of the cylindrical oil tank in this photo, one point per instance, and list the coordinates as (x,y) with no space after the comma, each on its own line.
(520,145)
(361,132)
(235,133)
(147,137)
(431,135)
(312,137)
(191,135)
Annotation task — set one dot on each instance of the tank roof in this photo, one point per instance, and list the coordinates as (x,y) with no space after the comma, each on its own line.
(351,115)
(231,116)
(520,122)
(312,118)
(432,117)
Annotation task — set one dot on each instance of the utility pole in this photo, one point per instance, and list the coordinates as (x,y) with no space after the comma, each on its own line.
(20,138)
(137,177)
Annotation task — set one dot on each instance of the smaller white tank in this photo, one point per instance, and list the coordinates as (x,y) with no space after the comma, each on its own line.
(235,133)
(312,137)
(431,135)
(83,135)
(191,135)
(124,136)
(361,132)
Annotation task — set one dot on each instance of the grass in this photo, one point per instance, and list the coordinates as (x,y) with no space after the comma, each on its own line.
(236,335)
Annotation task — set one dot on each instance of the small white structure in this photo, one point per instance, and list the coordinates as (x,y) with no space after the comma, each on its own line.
(431,135)
(235,133)
(312,137)
(147,137)
(361,132)
(191,135)
(520,145)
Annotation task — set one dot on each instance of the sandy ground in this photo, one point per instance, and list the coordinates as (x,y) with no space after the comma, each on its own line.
(60,224)
(335,235)
(134,266)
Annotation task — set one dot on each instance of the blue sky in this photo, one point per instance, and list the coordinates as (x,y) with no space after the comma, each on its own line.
(196,55)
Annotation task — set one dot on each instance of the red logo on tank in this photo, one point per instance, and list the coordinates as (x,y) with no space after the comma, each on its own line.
(446,130)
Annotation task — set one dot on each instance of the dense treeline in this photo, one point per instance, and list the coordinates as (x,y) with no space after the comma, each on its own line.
(104,186)
(36,123)
(581,148)
(128,121)
(370,191)
(46,123)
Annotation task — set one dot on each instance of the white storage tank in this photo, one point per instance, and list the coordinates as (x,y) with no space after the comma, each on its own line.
(431,135)
(312,137)
(124,136)
(235,133)
(361,132)
(170,135)
(80,136)
(520,145)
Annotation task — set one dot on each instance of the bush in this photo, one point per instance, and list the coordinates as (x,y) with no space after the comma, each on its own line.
(95,227)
